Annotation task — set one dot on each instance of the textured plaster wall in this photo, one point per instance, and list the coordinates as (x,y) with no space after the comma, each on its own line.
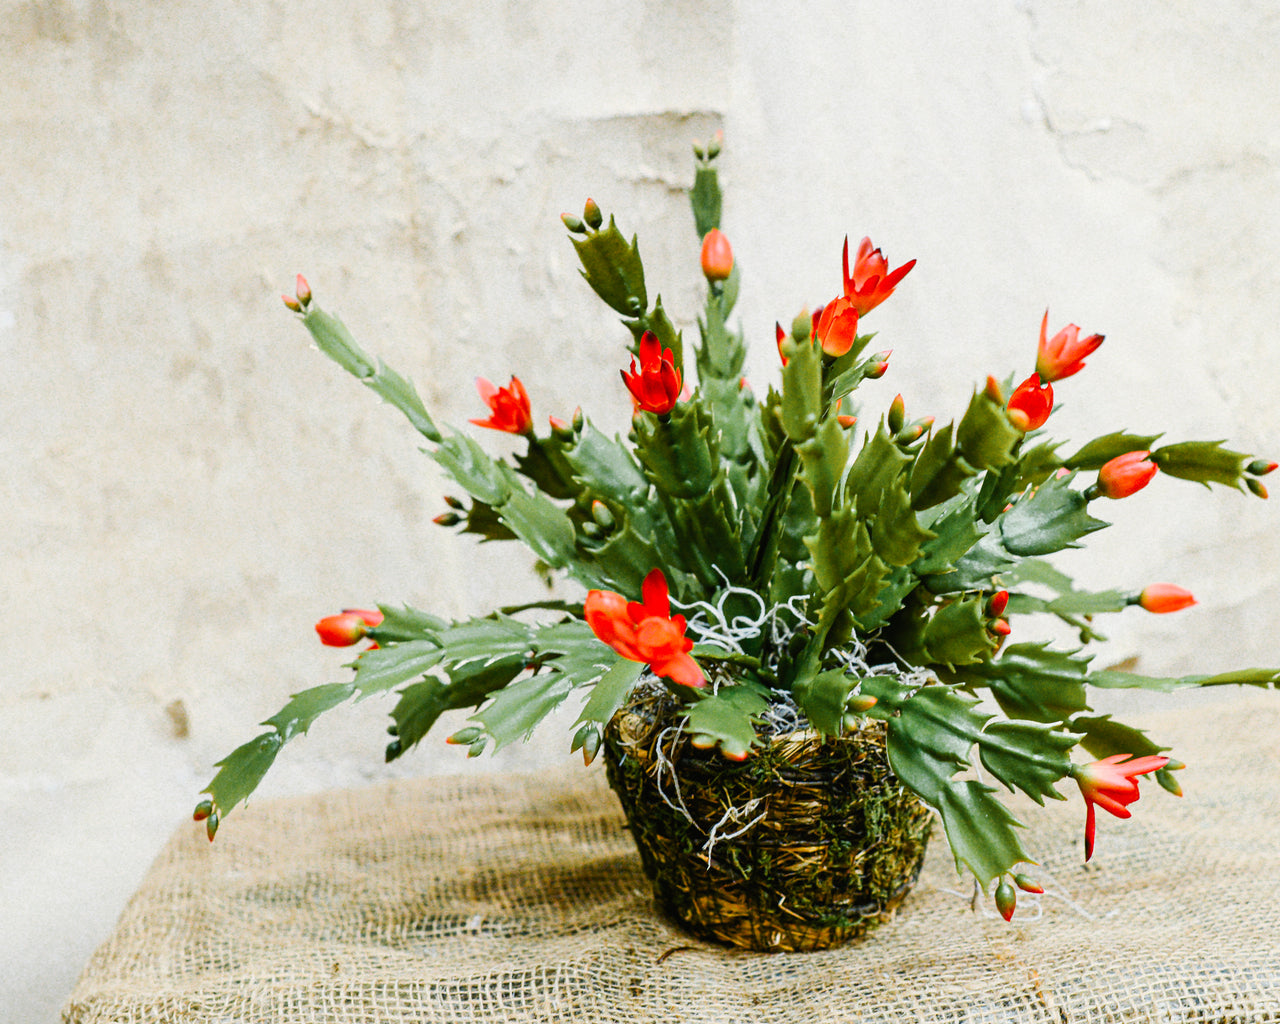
(186,486)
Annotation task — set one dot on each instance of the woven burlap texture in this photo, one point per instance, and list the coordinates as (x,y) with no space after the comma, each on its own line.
(520,898)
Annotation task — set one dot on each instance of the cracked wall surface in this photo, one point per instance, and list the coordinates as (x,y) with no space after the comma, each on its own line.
(187,486)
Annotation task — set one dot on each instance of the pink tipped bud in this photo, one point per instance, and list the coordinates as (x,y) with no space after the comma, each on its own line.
(203,809)
(993,390)
(592,215)
(1165,597)
(879,364)
(1028,884)
(1001,627)
(1260,467)
(573,224)
(717,256)
(1255,486)
(292,303)
(1006,899)
(897,414)
(1125,475)
(303,291)
(998,603)
(846,421)
(447,519)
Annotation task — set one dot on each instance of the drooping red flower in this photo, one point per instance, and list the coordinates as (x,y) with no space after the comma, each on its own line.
(656,386)
(717,256)
(508,407)
(1125,475)
(1161,598)
(1112,785)
(645,632)
(1064,354)
(871,281)
(835,326)
(348,628)
(1030,404)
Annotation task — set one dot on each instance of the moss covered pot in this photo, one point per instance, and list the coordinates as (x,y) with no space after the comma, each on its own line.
(805,845)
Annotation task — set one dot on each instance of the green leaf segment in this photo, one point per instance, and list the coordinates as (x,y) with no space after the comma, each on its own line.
(883,560)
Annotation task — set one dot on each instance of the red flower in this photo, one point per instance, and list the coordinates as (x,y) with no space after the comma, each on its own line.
(509,407)
(1125,475)
(717,256)
(1063,354)
(647,632)
(656,387)
(782,336)
(1111,784)
(1030,404)
(835,325)
(348,628)
(1165,597)
(871,282)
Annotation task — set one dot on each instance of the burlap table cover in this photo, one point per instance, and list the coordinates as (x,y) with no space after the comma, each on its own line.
(520,898)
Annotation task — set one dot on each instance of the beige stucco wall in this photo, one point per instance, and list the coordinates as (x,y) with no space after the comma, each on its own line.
(187,487)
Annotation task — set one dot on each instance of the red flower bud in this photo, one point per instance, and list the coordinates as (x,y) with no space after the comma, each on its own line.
(1030,404)
(782,336)
(998,603)
(348,628)
(1028,884)
(1124,475)
(879,364)
(1001,627)
(993,390)
(592,215)
(835,325)
(717,256)
(292,303)
(1165,597)
(1260,467)
(897,414)
(1256,486)
(303,291)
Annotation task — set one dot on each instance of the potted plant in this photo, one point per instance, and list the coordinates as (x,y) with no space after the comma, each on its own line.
(794,631)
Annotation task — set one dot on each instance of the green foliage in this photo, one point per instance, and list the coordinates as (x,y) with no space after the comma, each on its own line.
(1205,462)
(611,265)
(728,719)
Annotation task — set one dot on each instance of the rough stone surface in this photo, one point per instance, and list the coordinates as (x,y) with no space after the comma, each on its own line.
(187,487)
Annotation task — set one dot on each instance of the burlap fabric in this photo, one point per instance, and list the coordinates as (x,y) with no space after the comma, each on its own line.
(520,898)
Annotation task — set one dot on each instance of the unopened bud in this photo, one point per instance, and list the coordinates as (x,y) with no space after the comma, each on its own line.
(578,420)
(1255,486)
(1001,627)
(591,530)
(303,291)
(713,147)
(879,364)
(447,519)
(1260,467)
(601,514)
(573,224)
(477,748)
(292,303)
(802,326)
(998,603)
(590,746)
(699,152)
(1006,899)
(897,414)
(394,749)
(592,215)
(211,825)
(845,420)
(465,737)
(717,256)
(203,809)
(1162,598)
(1027,884)
(993,391)
(857,703)
(453,502)
(1167,781)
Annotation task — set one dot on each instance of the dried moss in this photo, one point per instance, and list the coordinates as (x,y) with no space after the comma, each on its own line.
(838,844)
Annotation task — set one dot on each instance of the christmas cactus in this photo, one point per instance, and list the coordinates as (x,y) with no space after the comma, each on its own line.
(845,564)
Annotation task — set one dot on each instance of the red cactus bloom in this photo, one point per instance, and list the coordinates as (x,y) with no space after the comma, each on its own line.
(1064,354)
(509,407)
(1165,597)
(835,326)
(645,632)
(1030,404)
(871,281)
(781,336)
(656,387)
(348,628)
(1125,475)
(1112,785)
(717,256)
